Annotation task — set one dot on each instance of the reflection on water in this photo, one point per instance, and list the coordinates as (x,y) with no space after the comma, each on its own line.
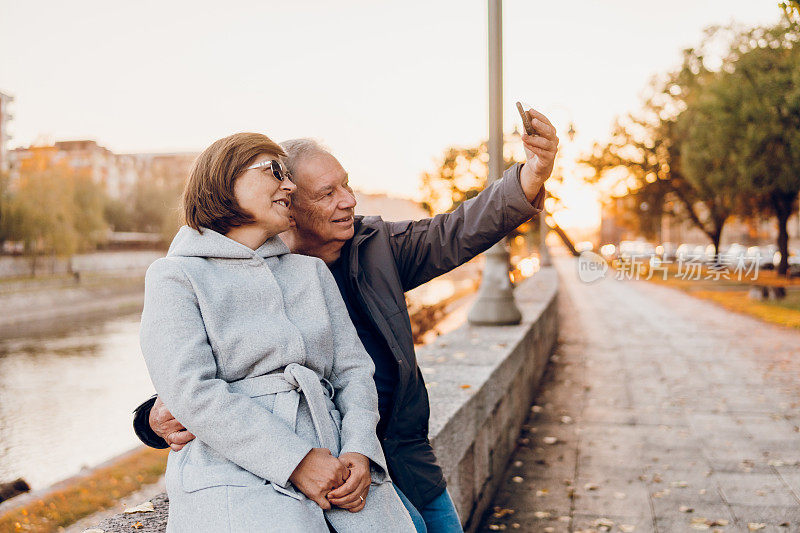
(66,398)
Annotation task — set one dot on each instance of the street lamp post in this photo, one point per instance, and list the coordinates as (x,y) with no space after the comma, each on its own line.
(495,303)
(544,229)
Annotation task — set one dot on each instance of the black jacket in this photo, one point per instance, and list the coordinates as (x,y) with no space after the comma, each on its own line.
(385,260)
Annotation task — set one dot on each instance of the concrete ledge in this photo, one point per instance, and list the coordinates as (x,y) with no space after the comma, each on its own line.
(481,381)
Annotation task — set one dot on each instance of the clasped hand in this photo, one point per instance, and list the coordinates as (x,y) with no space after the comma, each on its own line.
(323,478)
(328,480)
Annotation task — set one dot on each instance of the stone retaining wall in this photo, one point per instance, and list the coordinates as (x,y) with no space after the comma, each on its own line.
(481,381)
(20,266)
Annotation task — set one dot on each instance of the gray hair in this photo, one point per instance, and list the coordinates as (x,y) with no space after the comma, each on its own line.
(298,150)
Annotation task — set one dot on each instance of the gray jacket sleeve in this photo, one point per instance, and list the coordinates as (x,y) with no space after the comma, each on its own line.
(356,397)
(428,248)
(183,370)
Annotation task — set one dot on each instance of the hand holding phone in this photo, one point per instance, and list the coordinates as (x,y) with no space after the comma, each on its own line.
(523,108)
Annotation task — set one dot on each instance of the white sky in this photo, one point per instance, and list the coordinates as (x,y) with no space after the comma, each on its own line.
(388,86)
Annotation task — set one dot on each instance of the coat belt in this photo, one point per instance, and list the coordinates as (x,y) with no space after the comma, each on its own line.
(287,385)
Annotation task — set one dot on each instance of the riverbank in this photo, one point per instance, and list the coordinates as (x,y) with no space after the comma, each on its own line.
(67,502)
(62,302)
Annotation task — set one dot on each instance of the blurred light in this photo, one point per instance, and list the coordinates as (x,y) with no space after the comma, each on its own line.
(528,266)
(607,250)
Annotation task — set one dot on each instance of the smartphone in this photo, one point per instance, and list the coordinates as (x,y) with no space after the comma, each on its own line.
(526,118)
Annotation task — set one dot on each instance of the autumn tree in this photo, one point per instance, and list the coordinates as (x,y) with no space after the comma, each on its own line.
(462,173)
(745,129)
(643,156)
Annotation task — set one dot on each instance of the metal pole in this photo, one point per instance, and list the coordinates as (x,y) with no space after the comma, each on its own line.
(544,252)
(495,303)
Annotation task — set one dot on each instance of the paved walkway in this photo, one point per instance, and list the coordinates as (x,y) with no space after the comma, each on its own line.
(659,412)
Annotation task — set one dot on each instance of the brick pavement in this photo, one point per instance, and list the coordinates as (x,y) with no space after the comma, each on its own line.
(658,412)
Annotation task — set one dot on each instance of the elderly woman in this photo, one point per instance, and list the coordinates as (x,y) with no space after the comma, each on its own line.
(252,349)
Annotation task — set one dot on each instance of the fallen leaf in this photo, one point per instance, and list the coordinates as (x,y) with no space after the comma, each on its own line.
(465,386)
(626,528)
(590,486)
(685,509)
(137,525)
(603,523)
(517,479)
(517,464)
(146,507)
(755,526)
(542,492)
(536,408)
(541,514)
(566,419)
(620,495)
(679,484)
(550,440)
(501,512)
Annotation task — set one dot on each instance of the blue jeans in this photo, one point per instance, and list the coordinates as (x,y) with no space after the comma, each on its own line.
(438,516)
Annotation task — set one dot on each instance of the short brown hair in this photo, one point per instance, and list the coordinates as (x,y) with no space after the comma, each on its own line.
(208,198)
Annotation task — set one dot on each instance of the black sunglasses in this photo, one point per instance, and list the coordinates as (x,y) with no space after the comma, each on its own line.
(277,169)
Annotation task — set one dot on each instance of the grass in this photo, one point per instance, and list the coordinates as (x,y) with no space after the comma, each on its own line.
(733,294)
(98,490)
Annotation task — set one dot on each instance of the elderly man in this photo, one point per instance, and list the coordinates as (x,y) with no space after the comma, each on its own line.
(374,263)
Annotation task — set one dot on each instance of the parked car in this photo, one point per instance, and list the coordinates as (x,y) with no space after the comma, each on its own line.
(794,258)
(636,250)
(761,256)
(684,252)
(733,255)
(667,251)
(698,254)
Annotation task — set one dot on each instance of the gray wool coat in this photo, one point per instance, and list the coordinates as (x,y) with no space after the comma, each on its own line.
(254,352)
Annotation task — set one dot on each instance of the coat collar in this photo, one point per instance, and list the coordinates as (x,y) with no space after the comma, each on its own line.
(208,243)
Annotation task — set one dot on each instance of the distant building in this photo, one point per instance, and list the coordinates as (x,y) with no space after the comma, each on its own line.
(164,169)
(118,173)
(5,135)
(388,207)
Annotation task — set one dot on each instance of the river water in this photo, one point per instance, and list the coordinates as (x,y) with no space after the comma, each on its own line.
(66,397)
(68,388)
